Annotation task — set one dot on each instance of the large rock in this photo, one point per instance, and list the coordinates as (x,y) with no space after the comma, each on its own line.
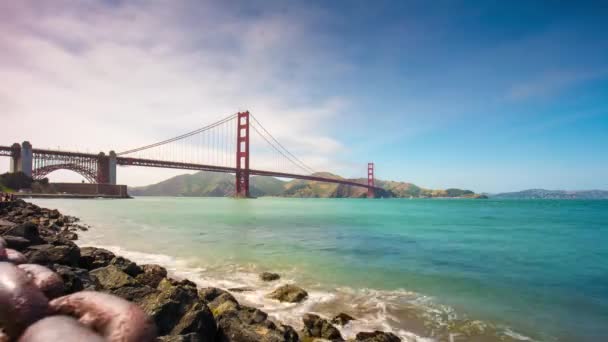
(152,275)
(16,242)
(377,336)
(136,293)
(112,277)
(127,266)
(317,327)
(177,310)
(27,231)
(76,279)
(342,319)
(288,293)
(93,257)
(269,276)
(50,254)
(197,319)
(239,323)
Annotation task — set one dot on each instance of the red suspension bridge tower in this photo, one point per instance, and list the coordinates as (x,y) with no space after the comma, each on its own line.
(370,180)
(242,155)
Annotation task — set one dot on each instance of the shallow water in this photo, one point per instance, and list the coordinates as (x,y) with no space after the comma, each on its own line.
(481,270)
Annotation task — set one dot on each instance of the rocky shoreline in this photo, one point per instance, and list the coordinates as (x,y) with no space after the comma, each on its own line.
(180,310)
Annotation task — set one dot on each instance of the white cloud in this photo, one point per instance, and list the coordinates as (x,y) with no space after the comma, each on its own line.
(88,76)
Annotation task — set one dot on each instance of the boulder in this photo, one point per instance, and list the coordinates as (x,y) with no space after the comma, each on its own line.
(152,275)
(136,293)
(269,276)
(112,277)
(288,293)
(197,319)
(342,319)
(16,242)
(127,266)
(50,254)
(93,257)
(169,303)
(377,336)
(76,279)
(27,231)
(317,327)
(209,294)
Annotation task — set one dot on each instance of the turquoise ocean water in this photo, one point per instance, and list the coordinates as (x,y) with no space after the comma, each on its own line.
(472,270)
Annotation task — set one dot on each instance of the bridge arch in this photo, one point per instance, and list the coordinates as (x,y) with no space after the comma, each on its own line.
(89,174)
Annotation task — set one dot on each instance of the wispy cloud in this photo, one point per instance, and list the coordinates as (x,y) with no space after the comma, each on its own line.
(550,83)
(82,74)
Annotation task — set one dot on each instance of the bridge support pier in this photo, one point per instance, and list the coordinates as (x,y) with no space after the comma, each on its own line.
(22,158)
(242,156)
(112,168)
(370,181)
(103,168)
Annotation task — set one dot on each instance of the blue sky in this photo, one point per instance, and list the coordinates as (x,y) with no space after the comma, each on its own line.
(486,95)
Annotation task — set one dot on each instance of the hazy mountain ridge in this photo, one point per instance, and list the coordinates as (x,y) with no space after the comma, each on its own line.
(212,184)
(553,194)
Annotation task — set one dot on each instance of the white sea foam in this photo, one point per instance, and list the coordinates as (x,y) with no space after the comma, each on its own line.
(374,309)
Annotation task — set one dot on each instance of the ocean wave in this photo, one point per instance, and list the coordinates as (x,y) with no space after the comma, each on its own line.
(412,316)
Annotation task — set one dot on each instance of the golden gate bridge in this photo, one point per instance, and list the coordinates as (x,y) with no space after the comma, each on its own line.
(223,146)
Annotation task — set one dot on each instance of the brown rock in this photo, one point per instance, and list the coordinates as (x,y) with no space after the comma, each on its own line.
(288,293)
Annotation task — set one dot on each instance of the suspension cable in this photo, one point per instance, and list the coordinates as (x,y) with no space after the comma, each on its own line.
(185,135)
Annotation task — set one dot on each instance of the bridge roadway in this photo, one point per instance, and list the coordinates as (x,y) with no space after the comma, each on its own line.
(126,161)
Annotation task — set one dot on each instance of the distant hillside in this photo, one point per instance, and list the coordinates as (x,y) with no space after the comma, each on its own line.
(212,184)
(553,194)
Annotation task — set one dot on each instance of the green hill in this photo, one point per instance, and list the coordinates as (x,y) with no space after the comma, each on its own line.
(213,184)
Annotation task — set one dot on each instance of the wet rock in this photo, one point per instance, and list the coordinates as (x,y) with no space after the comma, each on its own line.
(16,242)
(152,275)
(27,231)
(193,337)
(377,336)
(54,214)
(93,257)
(112,277)
(127,266)
(208,294)
(169,303)
(49,254)
(342,319)
(269,276)
(197,319)
(69,235)
(136,293)
(317,327)
(288,293)
(76,279)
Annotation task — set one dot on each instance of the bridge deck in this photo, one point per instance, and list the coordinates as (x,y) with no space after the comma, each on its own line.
(125,161)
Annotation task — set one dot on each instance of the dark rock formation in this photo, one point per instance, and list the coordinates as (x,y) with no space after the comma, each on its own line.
(152,275)
(269,276)
(112,277)
(342,319)
(92,257)
(127,266)
(289,293)
(177,310)
(317,327)
(377,336)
